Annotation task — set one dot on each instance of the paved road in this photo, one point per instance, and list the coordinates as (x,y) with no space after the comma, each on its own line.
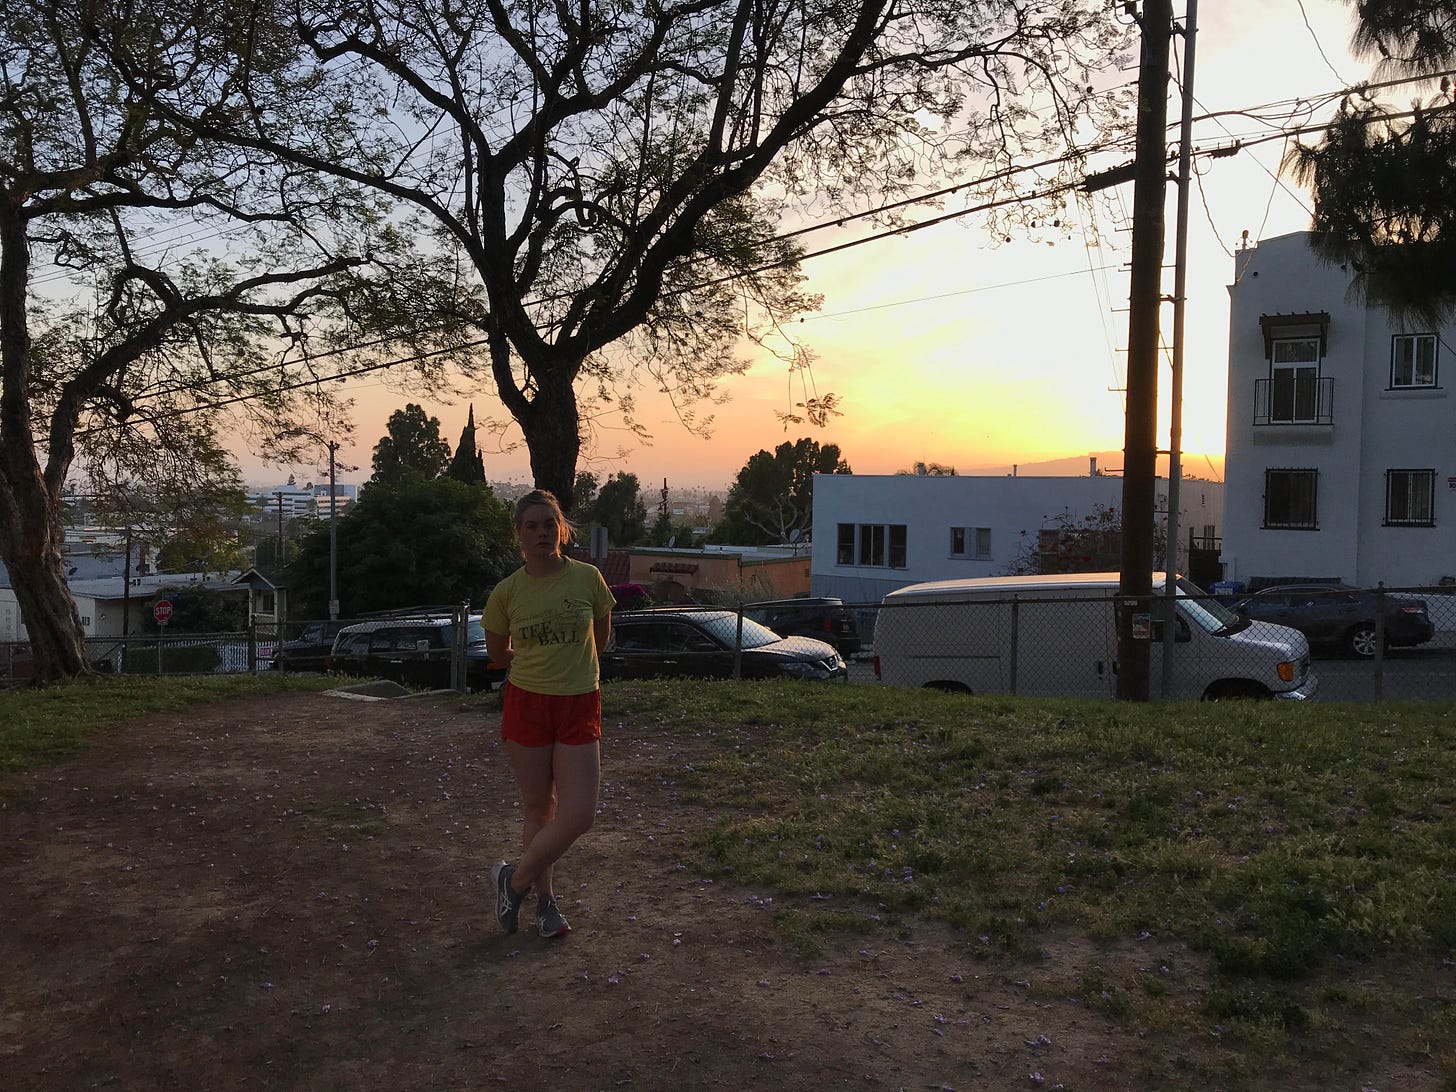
(1424,674)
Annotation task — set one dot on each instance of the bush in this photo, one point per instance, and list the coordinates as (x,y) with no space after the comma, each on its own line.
(141,659)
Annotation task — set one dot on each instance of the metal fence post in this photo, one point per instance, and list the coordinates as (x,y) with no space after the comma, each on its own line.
(738,646)
(1015,641)
(458,675)
(253,647)
(1380,641)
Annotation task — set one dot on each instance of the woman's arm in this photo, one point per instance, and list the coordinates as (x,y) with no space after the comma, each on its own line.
(498,647)
(601,632)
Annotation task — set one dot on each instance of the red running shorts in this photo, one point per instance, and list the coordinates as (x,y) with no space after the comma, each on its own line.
(539,720)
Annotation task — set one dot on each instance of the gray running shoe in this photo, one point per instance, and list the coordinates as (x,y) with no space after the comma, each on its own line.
(507,902)
(549,920)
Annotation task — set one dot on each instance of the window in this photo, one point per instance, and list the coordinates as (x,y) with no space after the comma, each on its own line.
(1413,360)
(970,542)
(1410,498)
(878,544)
(1289,499)
(871,544)
(267,605)
(1294,375)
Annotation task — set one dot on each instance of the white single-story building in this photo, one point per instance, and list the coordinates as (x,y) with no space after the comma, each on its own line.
(875,533)
(104,601)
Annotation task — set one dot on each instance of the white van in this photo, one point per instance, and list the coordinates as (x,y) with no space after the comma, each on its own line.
(1056,636)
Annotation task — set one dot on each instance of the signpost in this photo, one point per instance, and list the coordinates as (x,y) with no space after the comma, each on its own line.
(162,612)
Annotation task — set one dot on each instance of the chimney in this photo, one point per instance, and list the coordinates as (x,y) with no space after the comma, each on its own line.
(1093,460)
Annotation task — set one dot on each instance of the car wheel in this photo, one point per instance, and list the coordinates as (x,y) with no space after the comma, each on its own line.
(1236,690)
(948,687)
(1361,640)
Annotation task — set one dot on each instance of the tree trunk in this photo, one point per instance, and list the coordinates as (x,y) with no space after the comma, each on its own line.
(552,430)
(51,619)
(30,508)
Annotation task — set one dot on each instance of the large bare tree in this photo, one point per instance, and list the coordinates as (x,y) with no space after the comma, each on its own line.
(146,280)
(612,174)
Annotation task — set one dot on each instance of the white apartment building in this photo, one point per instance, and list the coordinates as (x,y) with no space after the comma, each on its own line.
(305,500)
(1341,450)
(875,533)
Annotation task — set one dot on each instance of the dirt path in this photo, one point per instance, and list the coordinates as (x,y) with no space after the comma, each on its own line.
(293,893)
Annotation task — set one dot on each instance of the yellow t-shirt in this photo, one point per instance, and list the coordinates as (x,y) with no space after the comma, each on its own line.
(549,620)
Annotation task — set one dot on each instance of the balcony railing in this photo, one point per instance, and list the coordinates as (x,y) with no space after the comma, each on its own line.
(1294,401)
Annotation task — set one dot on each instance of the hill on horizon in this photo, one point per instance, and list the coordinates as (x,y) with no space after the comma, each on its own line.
(1195,465)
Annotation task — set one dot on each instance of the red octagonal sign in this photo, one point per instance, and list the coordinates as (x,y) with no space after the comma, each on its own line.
(162,611)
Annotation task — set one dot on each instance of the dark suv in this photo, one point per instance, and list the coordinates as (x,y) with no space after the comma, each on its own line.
(822,618)
(413,652)
(310,649)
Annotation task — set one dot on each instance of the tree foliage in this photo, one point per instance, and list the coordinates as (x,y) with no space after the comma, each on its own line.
(208,545)
(584,491)
(420,542)
(772,499)
(932,470)
(606,179)
(467,466)
(1381,174)
(619,507)
(122,342)
(201,610)
(1092,544)
(411,450)
(190,508)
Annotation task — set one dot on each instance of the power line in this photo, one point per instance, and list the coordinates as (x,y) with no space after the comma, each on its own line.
(1053,191)
(478,342)
(997,176)
(1315,38)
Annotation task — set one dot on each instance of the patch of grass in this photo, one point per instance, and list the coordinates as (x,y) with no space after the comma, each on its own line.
(46,724)
(1275,840)
(805,931)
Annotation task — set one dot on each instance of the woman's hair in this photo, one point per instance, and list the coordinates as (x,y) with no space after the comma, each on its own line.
(565,529)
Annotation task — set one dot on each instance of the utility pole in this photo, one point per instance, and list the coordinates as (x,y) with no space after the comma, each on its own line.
(333,534)
(1140,449)
(1180,291)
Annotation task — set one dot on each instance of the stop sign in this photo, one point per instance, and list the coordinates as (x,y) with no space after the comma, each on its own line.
(162,611)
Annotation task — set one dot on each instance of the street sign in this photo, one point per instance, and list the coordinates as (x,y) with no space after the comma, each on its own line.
(162,611)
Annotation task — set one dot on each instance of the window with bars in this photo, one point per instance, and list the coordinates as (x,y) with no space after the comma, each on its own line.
(1410,498)
(1289,499)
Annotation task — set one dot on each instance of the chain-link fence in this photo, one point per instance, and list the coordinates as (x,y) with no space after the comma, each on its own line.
(1364,644)
(153,654)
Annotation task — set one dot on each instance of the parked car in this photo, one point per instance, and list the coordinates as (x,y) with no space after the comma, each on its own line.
(699,644)
(413,652)
(309,650)
(825,619)
(1339,615)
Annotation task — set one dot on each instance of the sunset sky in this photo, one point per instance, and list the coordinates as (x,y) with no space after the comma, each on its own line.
(944,346)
